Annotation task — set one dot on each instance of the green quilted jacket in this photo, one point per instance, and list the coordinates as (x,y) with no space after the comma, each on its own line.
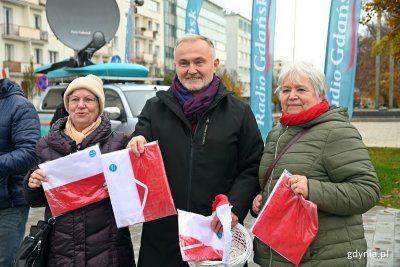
(342,182)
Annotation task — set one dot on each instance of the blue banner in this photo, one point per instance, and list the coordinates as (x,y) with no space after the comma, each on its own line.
(192,13)
(128,37)
(341,52)
(262,63)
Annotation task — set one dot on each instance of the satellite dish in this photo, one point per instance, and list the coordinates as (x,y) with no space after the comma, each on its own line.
(82,23)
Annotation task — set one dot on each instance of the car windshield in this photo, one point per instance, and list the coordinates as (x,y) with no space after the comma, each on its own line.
(137,99)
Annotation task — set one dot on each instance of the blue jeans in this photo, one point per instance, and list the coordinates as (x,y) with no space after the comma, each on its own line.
(12,231)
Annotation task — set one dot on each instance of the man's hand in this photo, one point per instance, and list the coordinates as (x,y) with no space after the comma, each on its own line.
(137,145)
(217,226)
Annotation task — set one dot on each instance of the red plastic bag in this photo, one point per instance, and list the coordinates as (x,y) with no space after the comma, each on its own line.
(287,223)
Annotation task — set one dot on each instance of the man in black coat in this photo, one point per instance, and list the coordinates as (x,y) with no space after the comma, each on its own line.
(60,112)
(210,144)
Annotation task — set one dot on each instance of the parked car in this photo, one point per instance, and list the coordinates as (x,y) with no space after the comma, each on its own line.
(123,104)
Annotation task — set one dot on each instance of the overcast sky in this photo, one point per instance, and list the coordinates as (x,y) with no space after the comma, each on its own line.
(300,31)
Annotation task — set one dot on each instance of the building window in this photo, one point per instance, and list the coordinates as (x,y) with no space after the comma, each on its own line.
(240,24)
(150,47)
(7,20)
(9,52)
(115,42)
(38,56)
(154,6)
(38,22)
(150,25)
(53,56)
(137,22)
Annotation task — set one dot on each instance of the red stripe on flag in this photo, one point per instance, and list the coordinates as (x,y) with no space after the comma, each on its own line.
(198,252)
(77,194)
(149,169)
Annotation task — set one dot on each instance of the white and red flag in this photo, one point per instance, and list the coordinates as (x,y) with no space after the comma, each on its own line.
(74,181)
(198,241)
(138,186)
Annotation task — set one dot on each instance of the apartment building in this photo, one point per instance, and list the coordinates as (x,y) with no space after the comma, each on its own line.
(238,36)
(211,23)
(24,35)
(156,25)
(146,46)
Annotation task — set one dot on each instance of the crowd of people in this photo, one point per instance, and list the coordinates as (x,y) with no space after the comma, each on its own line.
(211,145)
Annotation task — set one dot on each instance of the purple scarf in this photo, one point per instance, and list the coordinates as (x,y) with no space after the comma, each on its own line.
(192,106)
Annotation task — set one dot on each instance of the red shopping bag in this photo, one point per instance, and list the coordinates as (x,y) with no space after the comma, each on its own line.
(287,223)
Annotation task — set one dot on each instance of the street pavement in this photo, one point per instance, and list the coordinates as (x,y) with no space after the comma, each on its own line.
(382,225)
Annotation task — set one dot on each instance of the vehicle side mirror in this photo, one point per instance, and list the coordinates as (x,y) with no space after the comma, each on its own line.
(112,113)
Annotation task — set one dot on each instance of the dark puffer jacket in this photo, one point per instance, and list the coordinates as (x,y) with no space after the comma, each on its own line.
(87,236)
(19,132)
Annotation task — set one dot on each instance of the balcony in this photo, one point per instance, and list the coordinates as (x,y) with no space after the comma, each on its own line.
(145,58)
(23,33)
(33,3)
(18,66)
(145,34)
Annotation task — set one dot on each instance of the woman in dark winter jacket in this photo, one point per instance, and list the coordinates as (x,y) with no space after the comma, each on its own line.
(87,236)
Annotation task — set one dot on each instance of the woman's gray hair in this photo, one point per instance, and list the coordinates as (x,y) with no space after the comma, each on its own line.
(304,69)
(191,36)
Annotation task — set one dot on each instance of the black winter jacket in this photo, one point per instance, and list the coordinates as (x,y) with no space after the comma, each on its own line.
(19,132)
(89,235)
(221,156)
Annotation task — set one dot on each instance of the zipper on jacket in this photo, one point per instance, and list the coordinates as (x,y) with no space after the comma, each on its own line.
(190,175)
(193,135)
(203,141)
(276,152)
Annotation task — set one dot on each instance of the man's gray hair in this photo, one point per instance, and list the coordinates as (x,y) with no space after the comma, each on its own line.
(304,69)
(191,36)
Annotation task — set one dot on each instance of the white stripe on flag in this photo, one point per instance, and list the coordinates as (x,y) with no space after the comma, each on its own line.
(72,168)
(74,181)
(121,183)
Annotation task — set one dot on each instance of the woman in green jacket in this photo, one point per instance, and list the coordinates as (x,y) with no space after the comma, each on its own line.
(330,167)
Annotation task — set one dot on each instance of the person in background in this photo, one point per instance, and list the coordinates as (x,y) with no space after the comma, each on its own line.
(19,132)
(210,145)
(60,112)
(87,236)
(330,167)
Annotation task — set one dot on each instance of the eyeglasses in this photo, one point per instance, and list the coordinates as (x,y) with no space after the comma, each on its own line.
(87,100)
